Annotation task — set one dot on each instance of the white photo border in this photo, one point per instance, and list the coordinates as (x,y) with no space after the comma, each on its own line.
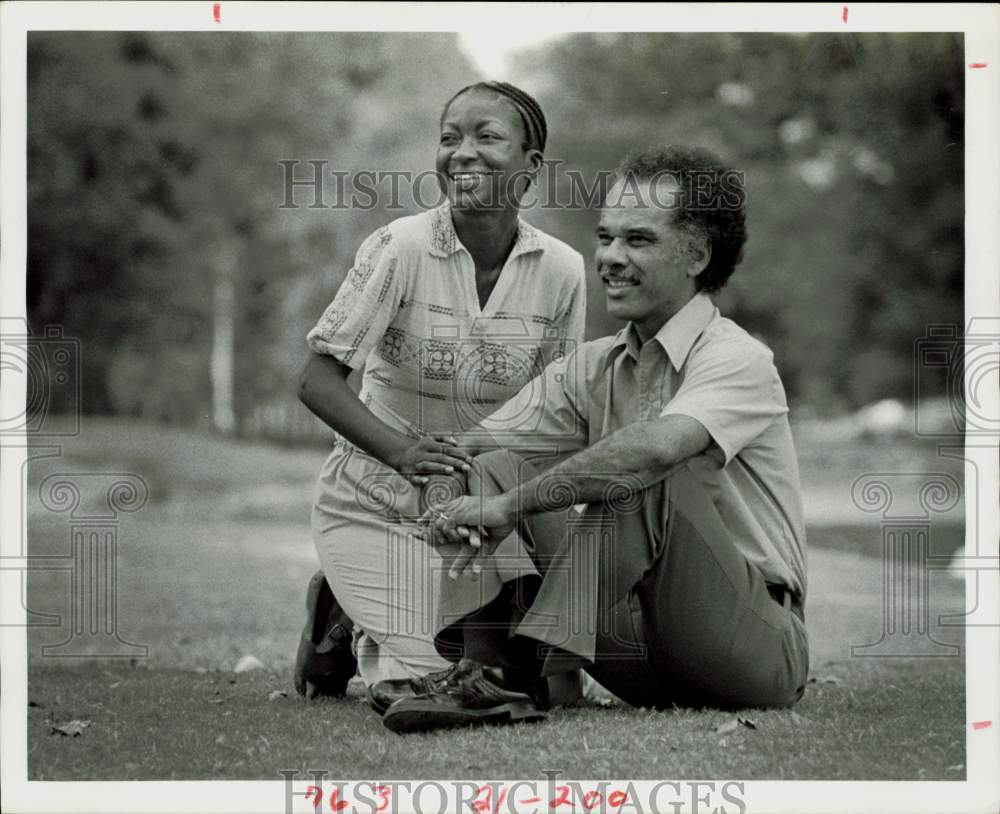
(980,24)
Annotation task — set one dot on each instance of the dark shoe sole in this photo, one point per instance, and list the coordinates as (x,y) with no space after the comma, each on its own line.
(418,715)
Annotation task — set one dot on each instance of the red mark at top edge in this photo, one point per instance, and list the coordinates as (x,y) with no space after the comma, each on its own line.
(982,724)
(977,64)
(217,12)
(844,15)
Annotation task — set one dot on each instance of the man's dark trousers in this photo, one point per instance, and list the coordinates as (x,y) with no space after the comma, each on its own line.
(648,592)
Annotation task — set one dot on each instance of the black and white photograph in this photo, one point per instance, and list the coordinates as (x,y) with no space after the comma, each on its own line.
(522,407)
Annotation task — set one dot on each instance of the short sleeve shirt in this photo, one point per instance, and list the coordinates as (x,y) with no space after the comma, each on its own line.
(700,365)
(435,360)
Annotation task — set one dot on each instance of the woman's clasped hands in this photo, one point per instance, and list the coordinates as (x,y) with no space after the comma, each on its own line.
(478,523)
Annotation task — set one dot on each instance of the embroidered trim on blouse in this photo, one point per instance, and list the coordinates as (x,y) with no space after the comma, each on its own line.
(444,240)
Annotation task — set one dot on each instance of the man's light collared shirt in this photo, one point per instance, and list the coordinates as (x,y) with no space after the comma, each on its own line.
(700,365)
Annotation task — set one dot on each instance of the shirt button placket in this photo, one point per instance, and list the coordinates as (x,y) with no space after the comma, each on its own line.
(647,402)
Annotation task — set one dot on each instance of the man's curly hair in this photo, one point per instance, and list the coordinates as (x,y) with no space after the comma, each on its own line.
(711,202)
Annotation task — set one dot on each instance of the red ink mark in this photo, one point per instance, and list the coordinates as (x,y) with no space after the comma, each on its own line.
(982,724)
(317,794)
(484,804)
(383,792)
(977,64)
(617,798)
(529,800)
(591,799)
(562,799)
(335,804)
(217,12)
(844,15)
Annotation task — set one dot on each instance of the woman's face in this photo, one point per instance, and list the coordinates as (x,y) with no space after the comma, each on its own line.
(481,160)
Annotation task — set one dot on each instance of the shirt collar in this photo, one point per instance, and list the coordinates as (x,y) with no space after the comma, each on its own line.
(679,333)
(676,337)
(445,242)
(627,341)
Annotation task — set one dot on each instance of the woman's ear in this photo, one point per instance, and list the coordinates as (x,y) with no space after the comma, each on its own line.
(530,174)
(535,160)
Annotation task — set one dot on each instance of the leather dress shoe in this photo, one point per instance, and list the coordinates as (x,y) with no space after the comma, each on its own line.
(468,694)
(383,694)
(325,662)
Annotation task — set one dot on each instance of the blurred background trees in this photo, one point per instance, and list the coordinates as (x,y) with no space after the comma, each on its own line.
(157,237)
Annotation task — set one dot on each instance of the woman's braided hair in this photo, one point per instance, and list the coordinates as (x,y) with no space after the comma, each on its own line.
(535,129)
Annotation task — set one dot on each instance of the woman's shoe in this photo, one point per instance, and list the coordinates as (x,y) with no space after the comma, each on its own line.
(325,662)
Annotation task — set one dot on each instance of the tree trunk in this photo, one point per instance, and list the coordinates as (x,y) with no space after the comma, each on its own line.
(224,340)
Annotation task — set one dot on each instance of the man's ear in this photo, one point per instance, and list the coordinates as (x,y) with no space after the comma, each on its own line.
(700,252)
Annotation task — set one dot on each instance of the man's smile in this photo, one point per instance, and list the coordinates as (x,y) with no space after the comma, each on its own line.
(619,283)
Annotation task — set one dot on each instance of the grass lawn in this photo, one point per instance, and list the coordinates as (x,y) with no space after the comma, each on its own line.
(215,568)
(883,721)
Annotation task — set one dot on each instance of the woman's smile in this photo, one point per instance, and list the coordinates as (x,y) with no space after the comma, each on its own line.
(466,181)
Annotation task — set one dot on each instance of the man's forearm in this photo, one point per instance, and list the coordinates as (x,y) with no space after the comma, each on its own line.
(627,461)
(480,440)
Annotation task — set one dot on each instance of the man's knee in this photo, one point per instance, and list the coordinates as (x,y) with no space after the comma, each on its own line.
(497,471)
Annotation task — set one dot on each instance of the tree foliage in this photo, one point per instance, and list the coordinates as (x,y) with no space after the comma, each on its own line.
(153,169)
(852,148)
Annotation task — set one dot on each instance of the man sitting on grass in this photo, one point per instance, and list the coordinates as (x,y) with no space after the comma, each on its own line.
(682,581)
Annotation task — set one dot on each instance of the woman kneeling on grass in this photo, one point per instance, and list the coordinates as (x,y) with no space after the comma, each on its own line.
(451,312)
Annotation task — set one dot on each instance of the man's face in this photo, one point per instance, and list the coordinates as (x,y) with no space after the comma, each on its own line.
(647,265)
